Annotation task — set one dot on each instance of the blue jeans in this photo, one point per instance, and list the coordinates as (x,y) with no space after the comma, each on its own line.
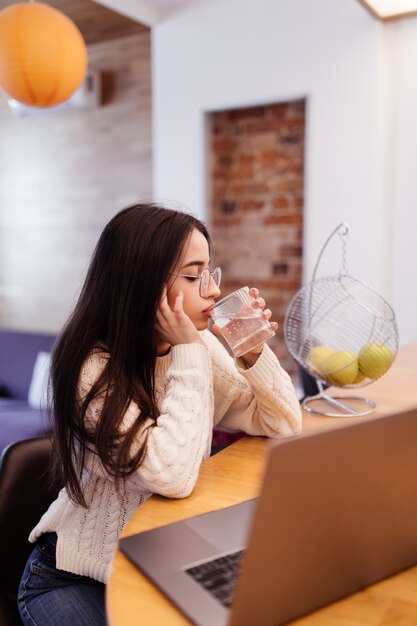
(51,597)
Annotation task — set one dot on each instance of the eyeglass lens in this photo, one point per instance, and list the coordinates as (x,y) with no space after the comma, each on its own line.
(205,280)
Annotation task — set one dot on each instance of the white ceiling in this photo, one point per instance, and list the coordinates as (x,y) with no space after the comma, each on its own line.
(149,12)
(387,9)
(167,4)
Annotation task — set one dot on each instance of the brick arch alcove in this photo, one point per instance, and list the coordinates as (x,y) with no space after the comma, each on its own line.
(256,182)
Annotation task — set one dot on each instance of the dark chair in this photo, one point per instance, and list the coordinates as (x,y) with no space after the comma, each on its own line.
(25,494)
(309,383)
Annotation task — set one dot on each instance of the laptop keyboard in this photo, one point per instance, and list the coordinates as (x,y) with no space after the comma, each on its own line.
(219,576)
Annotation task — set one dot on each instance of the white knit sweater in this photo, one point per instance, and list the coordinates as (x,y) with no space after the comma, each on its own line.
(197,387)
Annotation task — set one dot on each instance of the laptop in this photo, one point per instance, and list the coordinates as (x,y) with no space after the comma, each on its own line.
(337,512)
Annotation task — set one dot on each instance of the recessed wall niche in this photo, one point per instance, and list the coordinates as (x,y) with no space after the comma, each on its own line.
(256,181)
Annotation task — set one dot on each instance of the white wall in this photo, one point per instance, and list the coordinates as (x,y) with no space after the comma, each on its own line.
(63,175)
(232,53)
(403,254)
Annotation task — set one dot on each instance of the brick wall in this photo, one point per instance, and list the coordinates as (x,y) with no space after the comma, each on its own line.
(256,187)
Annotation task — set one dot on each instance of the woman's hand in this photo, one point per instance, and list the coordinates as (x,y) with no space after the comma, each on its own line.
(258,303)
(251,357)
(173,325)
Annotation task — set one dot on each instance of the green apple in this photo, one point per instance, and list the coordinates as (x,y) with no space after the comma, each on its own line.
(317,356)
(340,368)
(359,378)
(375,359)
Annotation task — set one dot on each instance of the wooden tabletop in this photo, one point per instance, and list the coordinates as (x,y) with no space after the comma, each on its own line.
(234,475)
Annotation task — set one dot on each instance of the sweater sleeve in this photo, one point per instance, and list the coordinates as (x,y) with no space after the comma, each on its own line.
(259,400)
(176,443)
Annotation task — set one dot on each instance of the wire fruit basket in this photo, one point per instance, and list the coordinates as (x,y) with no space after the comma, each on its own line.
(343,333)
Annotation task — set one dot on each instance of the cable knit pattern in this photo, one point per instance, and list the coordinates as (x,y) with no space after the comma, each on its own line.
(196,387)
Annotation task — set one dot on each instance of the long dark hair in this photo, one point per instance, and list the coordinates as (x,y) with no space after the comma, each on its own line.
(134,256)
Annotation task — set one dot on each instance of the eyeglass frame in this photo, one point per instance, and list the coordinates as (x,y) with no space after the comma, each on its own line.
(204,285)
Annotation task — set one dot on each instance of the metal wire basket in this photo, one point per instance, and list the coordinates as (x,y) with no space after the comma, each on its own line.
(343,333)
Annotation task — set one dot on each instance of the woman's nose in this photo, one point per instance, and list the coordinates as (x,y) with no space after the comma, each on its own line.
(213,289)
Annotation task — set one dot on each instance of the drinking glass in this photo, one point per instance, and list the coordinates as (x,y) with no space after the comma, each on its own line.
(242,326)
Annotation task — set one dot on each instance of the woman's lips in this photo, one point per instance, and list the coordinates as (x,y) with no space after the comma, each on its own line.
(207,312)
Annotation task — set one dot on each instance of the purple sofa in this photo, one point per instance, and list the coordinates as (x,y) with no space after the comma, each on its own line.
(18,353)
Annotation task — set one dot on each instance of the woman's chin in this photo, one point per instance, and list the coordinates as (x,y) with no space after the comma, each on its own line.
(202,324)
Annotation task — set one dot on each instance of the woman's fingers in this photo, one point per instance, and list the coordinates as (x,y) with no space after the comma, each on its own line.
(179,302)
(174,325)
(259,303)
(216,330)
(266,314)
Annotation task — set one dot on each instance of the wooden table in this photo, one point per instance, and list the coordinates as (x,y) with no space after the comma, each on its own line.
(232,476)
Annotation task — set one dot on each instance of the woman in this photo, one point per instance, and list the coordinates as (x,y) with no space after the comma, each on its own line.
(138,384)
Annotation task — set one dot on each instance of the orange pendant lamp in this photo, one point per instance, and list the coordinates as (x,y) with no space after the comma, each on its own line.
(43,57)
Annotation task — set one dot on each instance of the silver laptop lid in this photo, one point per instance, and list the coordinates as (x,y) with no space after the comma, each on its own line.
(337,512)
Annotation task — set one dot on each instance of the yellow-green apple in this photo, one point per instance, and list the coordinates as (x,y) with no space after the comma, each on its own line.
(375,359)
(340,368)
(317,356)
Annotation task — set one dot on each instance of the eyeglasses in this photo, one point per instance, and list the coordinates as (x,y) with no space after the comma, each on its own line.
(204,279)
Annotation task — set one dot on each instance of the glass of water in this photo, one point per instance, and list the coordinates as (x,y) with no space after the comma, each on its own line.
(242,326)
